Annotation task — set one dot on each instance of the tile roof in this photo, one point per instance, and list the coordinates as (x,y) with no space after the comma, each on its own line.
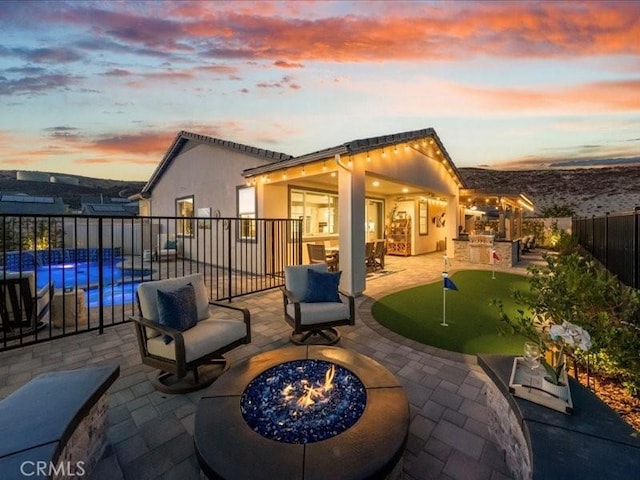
(184,138)
(357,146)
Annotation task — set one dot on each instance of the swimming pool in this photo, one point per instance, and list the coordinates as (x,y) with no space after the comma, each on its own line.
(122,293)
(77,275)
(119,285)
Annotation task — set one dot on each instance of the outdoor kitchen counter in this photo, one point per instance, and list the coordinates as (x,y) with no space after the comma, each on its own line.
(592,443)
(466,250)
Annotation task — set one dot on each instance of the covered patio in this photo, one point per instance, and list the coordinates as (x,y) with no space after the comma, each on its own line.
(150,433)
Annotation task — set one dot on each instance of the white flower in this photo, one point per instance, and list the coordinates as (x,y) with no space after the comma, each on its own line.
(571,335)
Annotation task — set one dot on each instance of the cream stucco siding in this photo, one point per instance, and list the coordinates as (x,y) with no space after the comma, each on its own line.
(417,169)
(210,173)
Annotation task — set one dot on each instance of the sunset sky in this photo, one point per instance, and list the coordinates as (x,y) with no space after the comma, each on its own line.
(102,88)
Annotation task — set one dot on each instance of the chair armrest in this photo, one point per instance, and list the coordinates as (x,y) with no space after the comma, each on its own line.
(352,305)
(289,295)
(246,315)
(47,289)
(176,335)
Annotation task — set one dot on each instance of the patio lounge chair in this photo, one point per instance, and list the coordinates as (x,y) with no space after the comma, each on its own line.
(313,317)
(176,348)
(24,309)
(167,247)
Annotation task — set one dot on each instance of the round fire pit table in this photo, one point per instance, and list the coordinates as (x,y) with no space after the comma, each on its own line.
(227,447)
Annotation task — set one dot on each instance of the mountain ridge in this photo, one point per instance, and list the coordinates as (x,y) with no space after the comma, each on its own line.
(588,191)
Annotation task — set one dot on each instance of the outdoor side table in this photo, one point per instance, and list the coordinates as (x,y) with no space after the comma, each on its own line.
(71,303)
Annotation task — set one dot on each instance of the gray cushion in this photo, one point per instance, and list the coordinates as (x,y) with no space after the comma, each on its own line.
(206,337)
(177,309)
(295,278)
(148,299)
(147,294)
(315,313)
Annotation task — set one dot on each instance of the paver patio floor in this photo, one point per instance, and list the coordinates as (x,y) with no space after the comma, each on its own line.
(150,433)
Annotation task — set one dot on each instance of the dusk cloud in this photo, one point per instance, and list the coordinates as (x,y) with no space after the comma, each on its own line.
(98,84)
(36,84)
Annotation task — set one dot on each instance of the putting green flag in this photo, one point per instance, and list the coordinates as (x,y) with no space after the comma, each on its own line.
(449,285)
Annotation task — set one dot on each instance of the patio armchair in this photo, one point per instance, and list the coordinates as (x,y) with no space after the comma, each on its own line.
(24,309)
(378,254)
(318,254)
(368,254)
(313,304)
(166,248)
(180,331)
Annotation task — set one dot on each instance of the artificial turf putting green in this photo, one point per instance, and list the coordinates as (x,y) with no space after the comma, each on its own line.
(416,313)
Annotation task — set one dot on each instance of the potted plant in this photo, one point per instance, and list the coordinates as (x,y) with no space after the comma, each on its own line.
(560,340)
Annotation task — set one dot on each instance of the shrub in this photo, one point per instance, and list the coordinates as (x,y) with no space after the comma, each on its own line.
(576,289)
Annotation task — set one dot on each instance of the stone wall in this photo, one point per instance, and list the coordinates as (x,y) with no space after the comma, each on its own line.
(86,445)
(507,432)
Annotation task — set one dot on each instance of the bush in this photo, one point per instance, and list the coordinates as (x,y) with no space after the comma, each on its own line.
(576,289)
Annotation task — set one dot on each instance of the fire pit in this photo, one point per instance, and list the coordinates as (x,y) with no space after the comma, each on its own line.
(303,412)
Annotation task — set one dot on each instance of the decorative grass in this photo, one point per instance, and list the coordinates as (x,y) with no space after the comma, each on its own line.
(416,313)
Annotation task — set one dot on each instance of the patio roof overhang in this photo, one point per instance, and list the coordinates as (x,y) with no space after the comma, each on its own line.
(325,161)
(480,198)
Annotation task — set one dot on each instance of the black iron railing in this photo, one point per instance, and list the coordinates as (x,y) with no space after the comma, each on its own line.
(94,264)
(613,240)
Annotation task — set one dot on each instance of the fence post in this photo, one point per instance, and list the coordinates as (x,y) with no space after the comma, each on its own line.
(100,277)
(606,240)
(636,255)
(229,283)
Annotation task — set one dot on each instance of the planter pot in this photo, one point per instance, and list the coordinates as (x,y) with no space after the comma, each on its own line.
(561,391)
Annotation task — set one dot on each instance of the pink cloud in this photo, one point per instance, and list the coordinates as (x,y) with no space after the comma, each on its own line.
(283,64)
(370,31)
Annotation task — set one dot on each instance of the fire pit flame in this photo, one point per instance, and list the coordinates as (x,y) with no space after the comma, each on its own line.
(303,401)
(311,394)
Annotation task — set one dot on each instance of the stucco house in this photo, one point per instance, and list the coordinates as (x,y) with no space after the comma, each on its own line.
(403,187)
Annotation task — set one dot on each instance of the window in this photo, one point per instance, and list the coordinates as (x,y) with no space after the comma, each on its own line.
(318,212)
(184,209)
(247,212)
(374,215)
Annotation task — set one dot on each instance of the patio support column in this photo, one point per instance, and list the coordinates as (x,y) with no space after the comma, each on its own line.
(501,220)
(351,193)
(520,220)
(452,226)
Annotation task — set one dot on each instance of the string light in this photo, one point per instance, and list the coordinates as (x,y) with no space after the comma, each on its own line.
(350,161)
(284,175)
(383,154)
(395,149)
(324,166)
(368,157)
(303,172)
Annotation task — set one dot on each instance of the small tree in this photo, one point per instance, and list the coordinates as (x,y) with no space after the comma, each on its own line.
(556,211)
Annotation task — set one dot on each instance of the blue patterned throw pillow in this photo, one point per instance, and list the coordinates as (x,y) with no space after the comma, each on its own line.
(322,286)
(177,309)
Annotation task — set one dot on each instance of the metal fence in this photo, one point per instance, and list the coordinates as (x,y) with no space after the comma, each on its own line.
(614,240)
(80,273)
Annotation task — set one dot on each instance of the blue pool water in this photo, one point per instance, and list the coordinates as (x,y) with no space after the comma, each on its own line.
(82,275)
(122,293)
(117,287)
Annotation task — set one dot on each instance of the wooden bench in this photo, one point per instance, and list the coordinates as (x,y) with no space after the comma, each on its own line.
(55,425)
(593,443)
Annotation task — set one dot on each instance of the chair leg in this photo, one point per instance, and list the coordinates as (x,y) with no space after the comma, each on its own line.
(326,336)
(201,377)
